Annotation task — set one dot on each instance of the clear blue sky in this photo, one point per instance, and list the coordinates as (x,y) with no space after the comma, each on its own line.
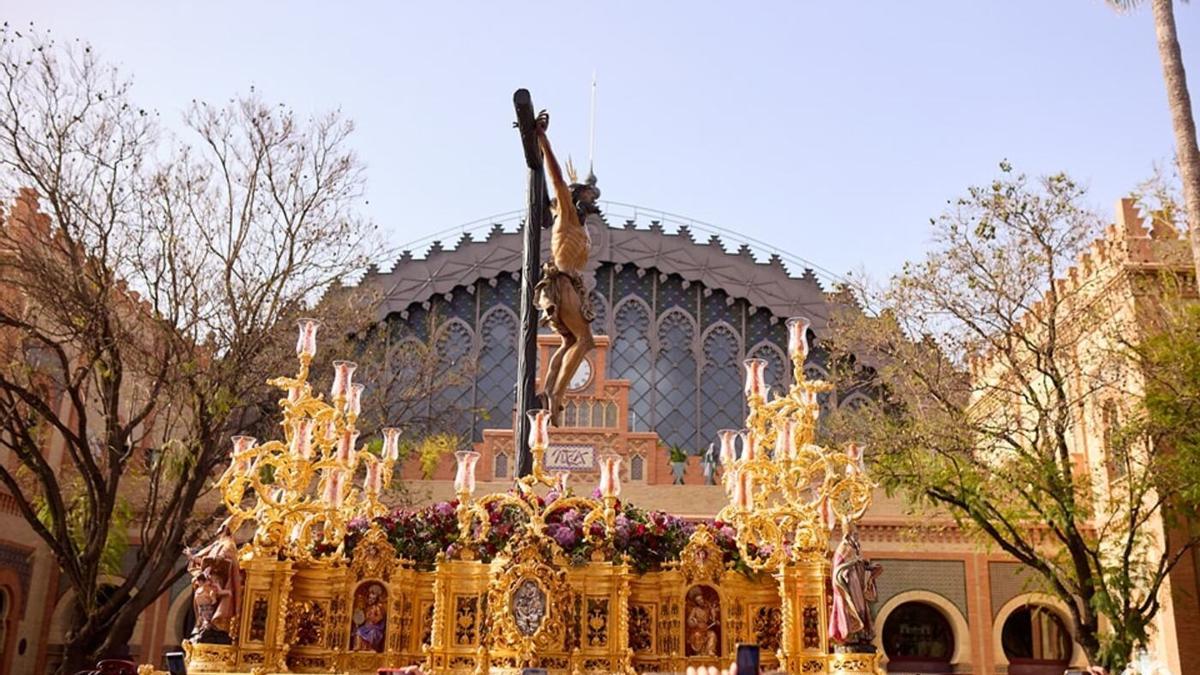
(833,130)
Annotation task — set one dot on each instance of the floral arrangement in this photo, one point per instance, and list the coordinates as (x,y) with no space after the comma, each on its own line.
(645,540)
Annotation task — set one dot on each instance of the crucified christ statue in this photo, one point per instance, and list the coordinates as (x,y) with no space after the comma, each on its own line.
(560,294)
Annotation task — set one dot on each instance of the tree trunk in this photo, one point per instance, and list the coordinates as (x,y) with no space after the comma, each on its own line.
(92,643)
(1186,149)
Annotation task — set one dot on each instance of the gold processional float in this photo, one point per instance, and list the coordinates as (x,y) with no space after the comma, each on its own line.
(321,585)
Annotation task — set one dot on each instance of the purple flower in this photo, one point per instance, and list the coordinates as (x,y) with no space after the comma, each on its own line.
(572,518)
(552,496)
(443,509)
(622,525)
(565,536)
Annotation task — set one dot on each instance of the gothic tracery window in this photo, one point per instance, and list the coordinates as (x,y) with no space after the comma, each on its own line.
(454,373)
(630,358)
(497,376)
(675,380)
(720,383)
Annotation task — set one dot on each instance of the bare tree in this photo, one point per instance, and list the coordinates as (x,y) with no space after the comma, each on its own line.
(994,354)
(146,287)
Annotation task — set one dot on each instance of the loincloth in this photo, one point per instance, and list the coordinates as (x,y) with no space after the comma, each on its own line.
(548,296)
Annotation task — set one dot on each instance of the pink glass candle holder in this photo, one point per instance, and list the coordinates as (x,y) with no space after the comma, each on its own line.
(743,490)
(306,343)
(464,477)
(333,488)
(539,428)
(750,447)
(610,476)
(354,400)
(242,443)
(854,452)
(797,330)
(728,446)
(785,441)
(756,378)
(827,513)
(373,481)
(343,377)
(301,445)
(345,448)
(294,394)
(391,444)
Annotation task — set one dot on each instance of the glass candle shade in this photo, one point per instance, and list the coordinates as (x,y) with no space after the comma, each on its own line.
(345,448)
(464,477)
(391,444)
(242,444)
(301,445)
(756,378)
(610,476)
(343,377)
(854,452)
(828,515)
(728,446)
(785,441)
(306,342)
(373,481)
(333,488)
(354,400)
(750,447)
(797,330)
(539,428)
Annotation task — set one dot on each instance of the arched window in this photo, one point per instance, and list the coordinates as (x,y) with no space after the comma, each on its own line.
(637,468)
(453,375)
(1035,641)
(497,370)
(630,358)
(501,465)
(675,380)
(918,639)
(720,383)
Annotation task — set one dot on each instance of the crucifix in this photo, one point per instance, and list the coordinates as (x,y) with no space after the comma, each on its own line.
(559,293)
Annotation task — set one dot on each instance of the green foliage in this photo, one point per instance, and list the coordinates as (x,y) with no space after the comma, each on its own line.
(986,367)
(431,449)
(678,454)
(78,514)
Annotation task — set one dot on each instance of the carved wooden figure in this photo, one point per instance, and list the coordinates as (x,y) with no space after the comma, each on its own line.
(560,294)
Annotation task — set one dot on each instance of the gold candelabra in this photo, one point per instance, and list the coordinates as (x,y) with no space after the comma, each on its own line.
(298,491)
(472,512)
(786,492)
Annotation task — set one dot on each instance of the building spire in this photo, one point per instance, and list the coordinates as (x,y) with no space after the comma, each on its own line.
(591,179)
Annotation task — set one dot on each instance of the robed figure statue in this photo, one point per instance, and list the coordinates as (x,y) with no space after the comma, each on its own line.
(850,622)
(215,587)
